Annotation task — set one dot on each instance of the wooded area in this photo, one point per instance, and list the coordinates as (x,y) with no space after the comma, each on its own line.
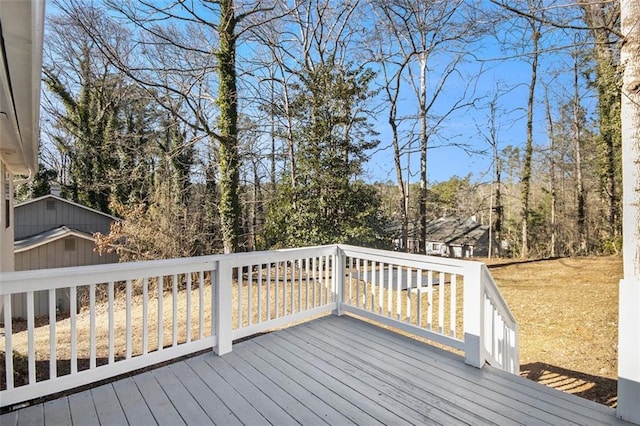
(222,126)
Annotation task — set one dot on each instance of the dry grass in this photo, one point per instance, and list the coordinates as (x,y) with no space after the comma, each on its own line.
(567,311)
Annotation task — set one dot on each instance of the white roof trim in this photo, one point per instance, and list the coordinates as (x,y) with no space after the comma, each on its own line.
(55,197)
(22,31)
(58,233)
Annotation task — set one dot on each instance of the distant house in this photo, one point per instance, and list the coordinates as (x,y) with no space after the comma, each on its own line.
(51,232)
(455,237)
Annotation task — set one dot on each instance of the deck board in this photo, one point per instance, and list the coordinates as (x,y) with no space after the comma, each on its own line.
(107,405)
(394,394)
(132,402)
(157,400)
(57,412)
(207,398)
(561,406)
(333,370)
(83,409)
(296,409)
(317,391)
(31,415)
(434,395)
(245,412)
(367,398)
(491,405)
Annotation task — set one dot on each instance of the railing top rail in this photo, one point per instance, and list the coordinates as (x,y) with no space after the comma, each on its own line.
(257,257)
(434,262)
(491,287)
(42,279)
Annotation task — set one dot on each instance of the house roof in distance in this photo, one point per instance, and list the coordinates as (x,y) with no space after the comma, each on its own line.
(455,231)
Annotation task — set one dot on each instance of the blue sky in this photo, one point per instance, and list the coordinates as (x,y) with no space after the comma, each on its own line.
(512,75)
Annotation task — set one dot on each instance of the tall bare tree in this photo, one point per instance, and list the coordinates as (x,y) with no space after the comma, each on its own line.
(417,35)
(578,120)
(552,178)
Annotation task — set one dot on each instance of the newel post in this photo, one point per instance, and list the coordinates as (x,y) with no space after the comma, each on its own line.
(473,317)
(222,305)
(338,279)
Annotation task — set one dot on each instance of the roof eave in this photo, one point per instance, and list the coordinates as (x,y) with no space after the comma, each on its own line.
(22,30)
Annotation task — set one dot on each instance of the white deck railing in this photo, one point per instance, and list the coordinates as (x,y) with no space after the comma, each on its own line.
(127,316)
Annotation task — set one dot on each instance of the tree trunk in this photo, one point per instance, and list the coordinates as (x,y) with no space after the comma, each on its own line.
(404,193)
(607,82)
(552,178)
(228,124)
(577,137)
(526,171)
(499,211)
(424,139)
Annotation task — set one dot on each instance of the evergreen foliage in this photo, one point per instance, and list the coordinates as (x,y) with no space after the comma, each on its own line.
(328,204)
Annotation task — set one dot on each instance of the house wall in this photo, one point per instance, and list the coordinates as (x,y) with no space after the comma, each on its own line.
(56,254)
(6,220)
(60,254)
(481,248)
(48,213)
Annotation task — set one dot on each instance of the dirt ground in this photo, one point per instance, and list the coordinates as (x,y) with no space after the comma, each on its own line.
(567,311)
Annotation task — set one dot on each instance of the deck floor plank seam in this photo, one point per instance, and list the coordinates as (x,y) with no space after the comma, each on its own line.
(395,398)
(465,388)
(107,405)
(57,412)
(319,390)
(298,410)
(558,403)
(133,404)
(185,405)
(32,415)
(246,413)
(206,398)
(9,419)
(160,405)
(83,409)
(272,412)
(306,398)
(443,399)
(405,392)
(372,407)
(369,401)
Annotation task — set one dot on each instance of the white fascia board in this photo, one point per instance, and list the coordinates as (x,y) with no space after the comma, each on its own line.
(22,24)
(62,234)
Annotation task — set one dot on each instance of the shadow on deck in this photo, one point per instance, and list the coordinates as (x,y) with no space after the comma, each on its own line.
(596,388)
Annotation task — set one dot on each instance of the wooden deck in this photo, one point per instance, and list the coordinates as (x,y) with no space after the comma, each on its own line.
(333,370)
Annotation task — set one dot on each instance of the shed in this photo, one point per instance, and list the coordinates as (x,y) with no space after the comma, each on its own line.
(52,232)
